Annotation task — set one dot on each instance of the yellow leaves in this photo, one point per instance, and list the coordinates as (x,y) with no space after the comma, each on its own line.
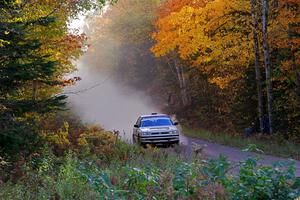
(59,138)
(180,29)
(189,29)
(82,141)
(297,57)
(284,35)
(18,2)
(97,140)
(217,37)
(219,81)
(282,27)
(224,75)
(173,6)
(56,41)
(286,65)
(3,42)
(216,32)
(96,136)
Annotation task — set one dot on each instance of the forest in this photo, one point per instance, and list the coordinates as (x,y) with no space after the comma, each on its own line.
(225,67)
(214,62)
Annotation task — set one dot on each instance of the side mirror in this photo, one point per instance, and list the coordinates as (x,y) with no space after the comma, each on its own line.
(175,123)
(136,126)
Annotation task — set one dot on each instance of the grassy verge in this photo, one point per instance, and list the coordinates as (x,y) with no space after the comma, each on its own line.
(86,162)
(269,145)
(147,174)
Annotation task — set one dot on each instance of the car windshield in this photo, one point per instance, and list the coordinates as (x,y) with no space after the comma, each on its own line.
(146,122)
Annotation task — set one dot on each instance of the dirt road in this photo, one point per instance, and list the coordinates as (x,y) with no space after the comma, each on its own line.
(234,155)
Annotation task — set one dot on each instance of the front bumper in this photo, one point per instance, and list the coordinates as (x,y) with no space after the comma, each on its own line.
(159,139)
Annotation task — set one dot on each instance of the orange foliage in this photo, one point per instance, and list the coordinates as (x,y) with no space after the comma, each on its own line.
(286,24)
(285,32)
(176,5)
(216,38)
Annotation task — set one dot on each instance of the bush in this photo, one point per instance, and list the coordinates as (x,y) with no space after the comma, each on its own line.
(143,177)
(87,162)
(265,182)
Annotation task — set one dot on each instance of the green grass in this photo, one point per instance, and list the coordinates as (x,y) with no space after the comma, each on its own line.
(150,173)
(269,145)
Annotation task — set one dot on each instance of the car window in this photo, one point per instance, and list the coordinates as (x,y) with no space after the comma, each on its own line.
(146,122)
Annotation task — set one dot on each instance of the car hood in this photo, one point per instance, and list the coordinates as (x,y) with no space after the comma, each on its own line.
(158,128)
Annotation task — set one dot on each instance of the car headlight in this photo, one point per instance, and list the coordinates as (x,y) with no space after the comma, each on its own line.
(143,133)
(174,132)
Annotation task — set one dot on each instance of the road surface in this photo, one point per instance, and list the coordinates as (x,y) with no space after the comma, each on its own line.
(213,150)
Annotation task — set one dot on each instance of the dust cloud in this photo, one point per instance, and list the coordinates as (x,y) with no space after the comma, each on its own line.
(99,99)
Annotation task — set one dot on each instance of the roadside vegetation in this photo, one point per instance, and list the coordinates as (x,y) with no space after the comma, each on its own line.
(270,145)
(207,61)
(48,153)
(94,164)
(212,76)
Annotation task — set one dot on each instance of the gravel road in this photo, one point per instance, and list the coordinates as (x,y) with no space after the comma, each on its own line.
(213,150)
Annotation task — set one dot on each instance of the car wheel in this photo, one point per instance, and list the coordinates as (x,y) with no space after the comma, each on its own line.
(140,143)
(138,140)
(133,139)
(175,144)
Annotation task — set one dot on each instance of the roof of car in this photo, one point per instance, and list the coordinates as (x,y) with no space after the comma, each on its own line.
(155,115)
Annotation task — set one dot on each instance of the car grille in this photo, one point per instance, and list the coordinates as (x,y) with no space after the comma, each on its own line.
(158,133)
(159,138)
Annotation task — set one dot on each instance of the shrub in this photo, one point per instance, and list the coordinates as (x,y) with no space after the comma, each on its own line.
(265,182)
(68,177)
(90,163)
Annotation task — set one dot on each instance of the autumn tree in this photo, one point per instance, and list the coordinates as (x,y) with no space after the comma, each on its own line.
(169,6)
(206,37)
(223,39)
(256,42)
(36,51)
(267,62)
(284,49)
(197,33)
(19,67)
(284,28)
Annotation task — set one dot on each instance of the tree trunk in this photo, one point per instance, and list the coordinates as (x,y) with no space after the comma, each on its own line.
(34,89)
(265,13)
(185,95)
(182,84)
(257,65)
(297,75)
(177,70)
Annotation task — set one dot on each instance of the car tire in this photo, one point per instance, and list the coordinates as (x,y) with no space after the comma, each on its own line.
(133,139)
(176,143)
(138,140)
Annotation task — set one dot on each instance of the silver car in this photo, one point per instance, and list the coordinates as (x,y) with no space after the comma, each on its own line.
(155,129)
